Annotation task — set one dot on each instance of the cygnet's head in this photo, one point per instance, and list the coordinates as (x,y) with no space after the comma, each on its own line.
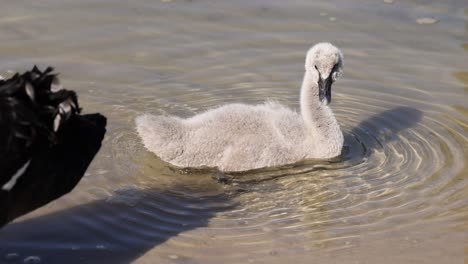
(326,62)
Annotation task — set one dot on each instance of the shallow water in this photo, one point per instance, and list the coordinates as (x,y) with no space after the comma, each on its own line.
(398,195)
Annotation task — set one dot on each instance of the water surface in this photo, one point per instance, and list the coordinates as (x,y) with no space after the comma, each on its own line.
(398,195)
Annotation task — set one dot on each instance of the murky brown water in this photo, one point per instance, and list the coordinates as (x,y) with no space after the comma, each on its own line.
(399,195)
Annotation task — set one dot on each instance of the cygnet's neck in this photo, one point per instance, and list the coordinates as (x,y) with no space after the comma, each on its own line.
(319,118)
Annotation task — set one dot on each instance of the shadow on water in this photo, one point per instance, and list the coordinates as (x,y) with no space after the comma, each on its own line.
(115,230)
(382,128)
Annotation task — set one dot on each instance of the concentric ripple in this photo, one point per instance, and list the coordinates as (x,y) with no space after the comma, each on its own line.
(397,194)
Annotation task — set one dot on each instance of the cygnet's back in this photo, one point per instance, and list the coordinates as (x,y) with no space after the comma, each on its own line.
(233,137)
(239,137)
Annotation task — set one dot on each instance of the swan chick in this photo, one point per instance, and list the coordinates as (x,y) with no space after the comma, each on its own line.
(240,137)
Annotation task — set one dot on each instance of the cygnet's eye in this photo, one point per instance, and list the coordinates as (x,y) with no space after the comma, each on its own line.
(317,71)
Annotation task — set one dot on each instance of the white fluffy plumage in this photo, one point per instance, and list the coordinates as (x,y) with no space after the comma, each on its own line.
(239,137)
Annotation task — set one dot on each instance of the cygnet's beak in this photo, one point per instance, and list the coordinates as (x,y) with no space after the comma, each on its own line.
(325,90)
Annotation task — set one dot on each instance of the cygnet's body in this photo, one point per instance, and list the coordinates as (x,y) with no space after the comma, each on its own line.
(239,137)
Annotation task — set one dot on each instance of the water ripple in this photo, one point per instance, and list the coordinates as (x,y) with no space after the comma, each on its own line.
(403,165)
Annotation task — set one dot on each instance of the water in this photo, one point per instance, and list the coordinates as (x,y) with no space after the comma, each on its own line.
(398,195)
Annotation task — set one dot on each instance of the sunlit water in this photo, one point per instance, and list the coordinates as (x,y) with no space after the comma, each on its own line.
(397,196)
